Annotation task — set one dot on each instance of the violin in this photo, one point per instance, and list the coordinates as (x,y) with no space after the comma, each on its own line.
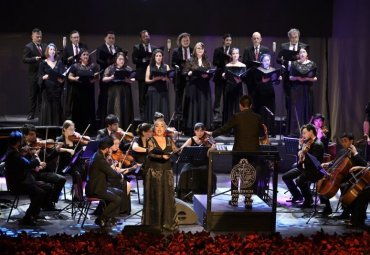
(42,144)
(207,140)
(305,148)
(122,135)
(122,157)
(76,137)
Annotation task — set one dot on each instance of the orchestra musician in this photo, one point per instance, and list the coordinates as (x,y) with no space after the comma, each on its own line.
(106,56)
(159,196)
(140,144)
(141,55)
(18,171)
(33,53)
(318,120)
(221,56)
(305,171)
(197,95)
(69,161)
(98,185)
(233,74)
(347,143)
(179,57)
(51,88)
(119,98)
(301,91)
(156,99)
(36,148)
(83,74)
(194,175)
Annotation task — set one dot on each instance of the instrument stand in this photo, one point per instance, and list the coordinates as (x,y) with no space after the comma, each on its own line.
(132,215)
(189,155)
(314,213)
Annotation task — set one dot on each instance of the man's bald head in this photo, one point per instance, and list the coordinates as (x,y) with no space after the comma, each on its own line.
(256,39)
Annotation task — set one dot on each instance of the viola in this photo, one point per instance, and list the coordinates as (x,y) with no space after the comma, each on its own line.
(123,157)
(76,137)
(207,140)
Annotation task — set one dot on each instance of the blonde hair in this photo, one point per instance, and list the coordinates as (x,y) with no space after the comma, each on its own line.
(157,122)
(67,124)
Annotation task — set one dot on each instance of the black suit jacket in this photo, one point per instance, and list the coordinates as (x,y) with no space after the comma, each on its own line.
(141,59)
(104,58)
(68,51)
(220,59)
(99,172)
(177,57)
(30,53)
(19,170)
(249,54)
(102,133)
(247,127)
(285,46)
(310,170)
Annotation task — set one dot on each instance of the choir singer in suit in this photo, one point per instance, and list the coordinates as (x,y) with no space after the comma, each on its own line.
(253,53)
(294,45)
(141,56)
(32,54)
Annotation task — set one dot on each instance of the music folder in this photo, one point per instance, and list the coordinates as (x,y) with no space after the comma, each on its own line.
(54,75)
(271,73)
(253,64)
(235,72)
(289,55)
(199,72)
(169,73)
(307,73)
(122,74)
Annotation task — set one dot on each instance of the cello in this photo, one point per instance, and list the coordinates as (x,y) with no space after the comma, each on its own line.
(359,181)
(329,185)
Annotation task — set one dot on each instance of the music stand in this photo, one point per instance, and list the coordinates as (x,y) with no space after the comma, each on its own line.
(189,155)
(90,149)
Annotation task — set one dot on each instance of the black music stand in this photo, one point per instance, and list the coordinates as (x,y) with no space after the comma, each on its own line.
(189,155)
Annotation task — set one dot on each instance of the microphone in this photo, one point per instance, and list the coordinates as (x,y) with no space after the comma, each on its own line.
(64,43)
(273,47)
(169,45)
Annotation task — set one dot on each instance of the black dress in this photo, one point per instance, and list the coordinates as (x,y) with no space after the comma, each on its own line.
(51,93)
(197,105)
(83,96)
(159,193)
(194,178)
(233,92)
(156,99)
(264,96)
(301,97)
(119,100)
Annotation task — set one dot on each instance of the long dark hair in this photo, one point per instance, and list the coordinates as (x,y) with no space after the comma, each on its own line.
(152,59)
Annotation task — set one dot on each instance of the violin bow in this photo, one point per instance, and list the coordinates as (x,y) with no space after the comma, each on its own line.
(296,116)
(46,140)
(128,128)
(172,117)
(79,140)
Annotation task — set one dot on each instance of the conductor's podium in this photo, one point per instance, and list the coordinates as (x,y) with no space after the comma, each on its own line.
(252,172)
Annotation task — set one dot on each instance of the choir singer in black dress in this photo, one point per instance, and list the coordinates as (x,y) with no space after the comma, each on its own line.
(51,81)
(197,99)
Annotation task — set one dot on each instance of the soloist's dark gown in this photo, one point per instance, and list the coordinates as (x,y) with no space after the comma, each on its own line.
(83,96)
(119,100)
(156,99)
(233,92)
(301,97)
(51,93)
(159,194)
(197,105)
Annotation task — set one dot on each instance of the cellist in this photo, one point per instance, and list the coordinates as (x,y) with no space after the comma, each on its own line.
(347,143)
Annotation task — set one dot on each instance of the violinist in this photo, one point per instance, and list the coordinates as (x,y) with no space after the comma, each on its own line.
(36,149)
(305,172)
(194,175)
(20,179)
(68,152)
(347,143)
(318,120)
(140,145)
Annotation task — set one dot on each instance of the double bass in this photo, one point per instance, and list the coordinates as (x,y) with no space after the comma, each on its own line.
(329,185)
(359,181)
